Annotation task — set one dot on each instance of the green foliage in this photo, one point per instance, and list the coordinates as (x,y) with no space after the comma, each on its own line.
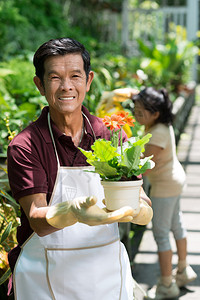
(13,25)
(20,82)
(26,24)
(113,164)
(20,101)
(5,276)
(6,233)
(121,69)
(19,27)
(167,65)
(9,211)
(112,72)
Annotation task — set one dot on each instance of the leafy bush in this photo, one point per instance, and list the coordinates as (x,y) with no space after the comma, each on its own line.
(9,220)
(112,72)
(20,101)
(26,24)
(167,65)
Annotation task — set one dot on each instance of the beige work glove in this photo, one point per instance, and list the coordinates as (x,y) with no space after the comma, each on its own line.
(144,214)
(85,210)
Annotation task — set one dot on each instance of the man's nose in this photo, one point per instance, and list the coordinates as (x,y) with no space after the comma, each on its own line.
(66,84)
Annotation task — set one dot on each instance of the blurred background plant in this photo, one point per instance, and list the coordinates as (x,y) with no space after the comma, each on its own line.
(20,102)
(9,220)
(169,64)
(26,24)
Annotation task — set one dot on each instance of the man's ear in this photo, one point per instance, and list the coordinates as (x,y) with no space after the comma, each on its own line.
(89,81)
(39,85)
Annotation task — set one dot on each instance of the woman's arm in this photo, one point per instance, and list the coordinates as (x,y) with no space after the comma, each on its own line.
(152,150)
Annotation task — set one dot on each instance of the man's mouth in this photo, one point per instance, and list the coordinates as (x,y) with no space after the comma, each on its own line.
(66,98)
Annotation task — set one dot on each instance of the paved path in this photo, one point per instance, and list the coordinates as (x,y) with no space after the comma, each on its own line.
(145,266)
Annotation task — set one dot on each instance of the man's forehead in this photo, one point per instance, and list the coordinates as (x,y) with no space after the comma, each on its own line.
(71,60)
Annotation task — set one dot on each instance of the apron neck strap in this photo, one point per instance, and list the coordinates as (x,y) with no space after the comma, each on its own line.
(90,125)
(52,137)
(51,133)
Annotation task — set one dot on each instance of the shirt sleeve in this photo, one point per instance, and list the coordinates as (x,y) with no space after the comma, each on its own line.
(25,172)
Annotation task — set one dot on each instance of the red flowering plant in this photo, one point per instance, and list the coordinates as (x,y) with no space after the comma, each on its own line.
(114,160)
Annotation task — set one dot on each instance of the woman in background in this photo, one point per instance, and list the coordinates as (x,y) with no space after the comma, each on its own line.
(153,109)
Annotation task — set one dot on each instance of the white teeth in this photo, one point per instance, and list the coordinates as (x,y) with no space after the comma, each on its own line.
(67,98)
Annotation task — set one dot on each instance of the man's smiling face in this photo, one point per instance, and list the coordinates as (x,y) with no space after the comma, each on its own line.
(65,83)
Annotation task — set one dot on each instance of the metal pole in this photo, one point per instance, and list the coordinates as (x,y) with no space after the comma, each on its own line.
(125,34)
(192,28)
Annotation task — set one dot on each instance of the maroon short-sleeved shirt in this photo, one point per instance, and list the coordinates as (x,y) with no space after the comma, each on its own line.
(32,164)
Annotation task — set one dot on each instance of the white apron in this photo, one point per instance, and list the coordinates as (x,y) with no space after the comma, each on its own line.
(79,262)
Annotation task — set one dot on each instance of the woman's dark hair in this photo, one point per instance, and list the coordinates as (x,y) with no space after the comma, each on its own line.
(55,47)
(156,100)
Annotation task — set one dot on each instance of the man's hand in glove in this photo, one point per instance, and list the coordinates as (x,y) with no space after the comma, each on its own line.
(144,213)
(85,210)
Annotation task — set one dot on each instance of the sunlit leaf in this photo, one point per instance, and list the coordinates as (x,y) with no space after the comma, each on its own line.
(5,276)
(6,233)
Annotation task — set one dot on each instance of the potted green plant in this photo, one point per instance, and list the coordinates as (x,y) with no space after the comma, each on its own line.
(120,165)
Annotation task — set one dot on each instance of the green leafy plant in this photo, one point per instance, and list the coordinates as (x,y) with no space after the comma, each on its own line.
(167,64)
(8,224)
(9,221)
(124,162)
(20,102)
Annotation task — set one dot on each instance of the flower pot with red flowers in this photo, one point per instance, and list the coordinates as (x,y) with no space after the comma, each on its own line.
(119,164)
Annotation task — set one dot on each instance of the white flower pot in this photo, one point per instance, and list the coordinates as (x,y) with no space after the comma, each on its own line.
(121,193)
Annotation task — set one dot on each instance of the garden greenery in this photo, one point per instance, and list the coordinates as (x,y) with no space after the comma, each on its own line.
(158,65)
